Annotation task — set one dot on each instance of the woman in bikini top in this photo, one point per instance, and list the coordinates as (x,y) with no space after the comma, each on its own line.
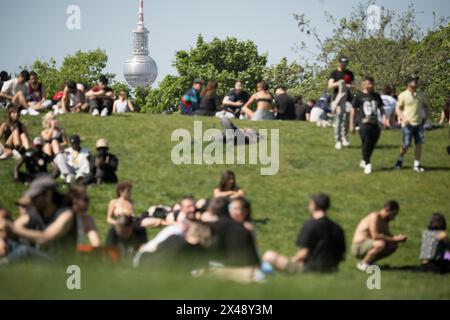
(264,103)
(122,205)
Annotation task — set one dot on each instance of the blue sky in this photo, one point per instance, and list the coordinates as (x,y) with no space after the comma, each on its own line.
(37,28)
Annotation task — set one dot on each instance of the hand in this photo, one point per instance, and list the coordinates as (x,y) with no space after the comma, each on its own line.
(352,129)
(406,123)
(400,238)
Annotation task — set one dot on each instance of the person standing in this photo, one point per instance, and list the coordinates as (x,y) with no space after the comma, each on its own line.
(190,101)
(368,103)
(412,111)
(341,81)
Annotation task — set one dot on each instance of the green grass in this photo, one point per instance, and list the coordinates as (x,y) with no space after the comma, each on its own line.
(308,163)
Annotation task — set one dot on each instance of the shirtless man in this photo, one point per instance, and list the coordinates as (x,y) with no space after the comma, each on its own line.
(373,240)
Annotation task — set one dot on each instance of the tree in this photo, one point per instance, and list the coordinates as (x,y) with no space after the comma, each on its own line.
(82,67)
(283,73)
(220,60)
(389,53)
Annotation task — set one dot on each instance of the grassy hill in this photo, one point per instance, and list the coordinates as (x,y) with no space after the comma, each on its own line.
(308,163)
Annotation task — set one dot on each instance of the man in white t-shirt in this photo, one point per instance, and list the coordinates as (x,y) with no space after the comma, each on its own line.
(389,105)
(74,162)
(16,91)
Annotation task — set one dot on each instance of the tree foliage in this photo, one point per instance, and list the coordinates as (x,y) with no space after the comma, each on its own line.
(82,67)
(390,53)
(222,60)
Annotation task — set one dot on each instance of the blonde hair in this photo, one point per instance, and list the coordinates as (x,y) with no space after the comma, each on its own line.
(45,121)
(200,231)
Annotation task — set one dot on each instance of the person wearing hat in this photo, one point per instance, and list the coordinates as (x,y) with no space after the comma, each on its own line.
(190,101)
(412,111)
(51,224)
(36,163)
(341,82)
(73,163)
(103,166)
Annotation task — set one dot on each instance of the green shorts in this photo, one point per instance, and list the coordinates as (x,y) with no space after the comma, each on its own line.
(360,250)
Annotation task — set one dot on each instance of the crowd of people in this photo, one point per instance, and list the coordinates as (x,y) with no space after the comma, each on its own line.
(215,236)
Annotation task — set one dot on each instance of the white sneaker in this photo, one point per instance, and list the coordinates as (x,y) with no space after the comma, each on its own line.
(16,155)
(32,112)
(70,179)
(345,143)
(338,145)
(55,111)
(368,169)
(418,169)
(95,113)
(362,266)
(104,113)
(362,164)
(24,112)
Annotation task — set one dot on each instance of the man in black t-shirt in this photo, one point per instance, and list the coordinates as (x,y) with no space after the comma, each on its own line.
(233,244)
(367,103)
(126,237)
(303,112)
(285,104)
(235,99)
(321,243)
(341,82)
(36,162)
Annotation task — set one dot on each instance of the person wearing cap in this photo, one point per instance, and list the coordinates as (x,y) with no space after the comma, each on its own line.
(36,163)
(412,111)
(103,166)
(73,163)
(51,225)
(190,101)
(16,92)
(341,82)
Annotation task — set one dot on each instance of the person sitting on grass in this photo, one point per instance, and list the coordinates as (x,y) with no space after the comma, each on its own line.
(184,210)
(285,104)
(241,211)
(209,102)
(14,134)
(190,101)
(4,217)
(87,235)
(36,90)
(188,251)
(103,166)
(321,242)
(73,99)
(36,163)
(51,225)
(101,98)
(435,249)
(264,104)
(235,100)
(122,205)
(125,238)
(16,92)
(373,240)
(73,163)
(54,136)
(227,187)
(123,104)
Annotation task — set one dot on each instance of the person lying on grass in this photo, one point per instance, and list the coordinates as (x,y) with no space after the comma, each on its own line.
(321,243)
(373,239)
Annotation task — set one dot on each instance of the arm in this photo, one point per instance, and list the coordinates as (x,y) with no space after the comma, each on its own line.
(65,141)
(17,169)
(250,101)
(53,232)
(131,106)
(399,112)
(376,235)
(91,232)
(47,134)
(332,84)
(109,214)
(55,170)
(228,102)
(115,107)
(222,194)
(65,99)
(300,256)
(441,119)
(352,120)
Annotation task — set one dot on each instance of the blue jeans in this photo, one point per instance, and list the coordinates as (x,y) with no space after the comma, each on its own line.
(413,132)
